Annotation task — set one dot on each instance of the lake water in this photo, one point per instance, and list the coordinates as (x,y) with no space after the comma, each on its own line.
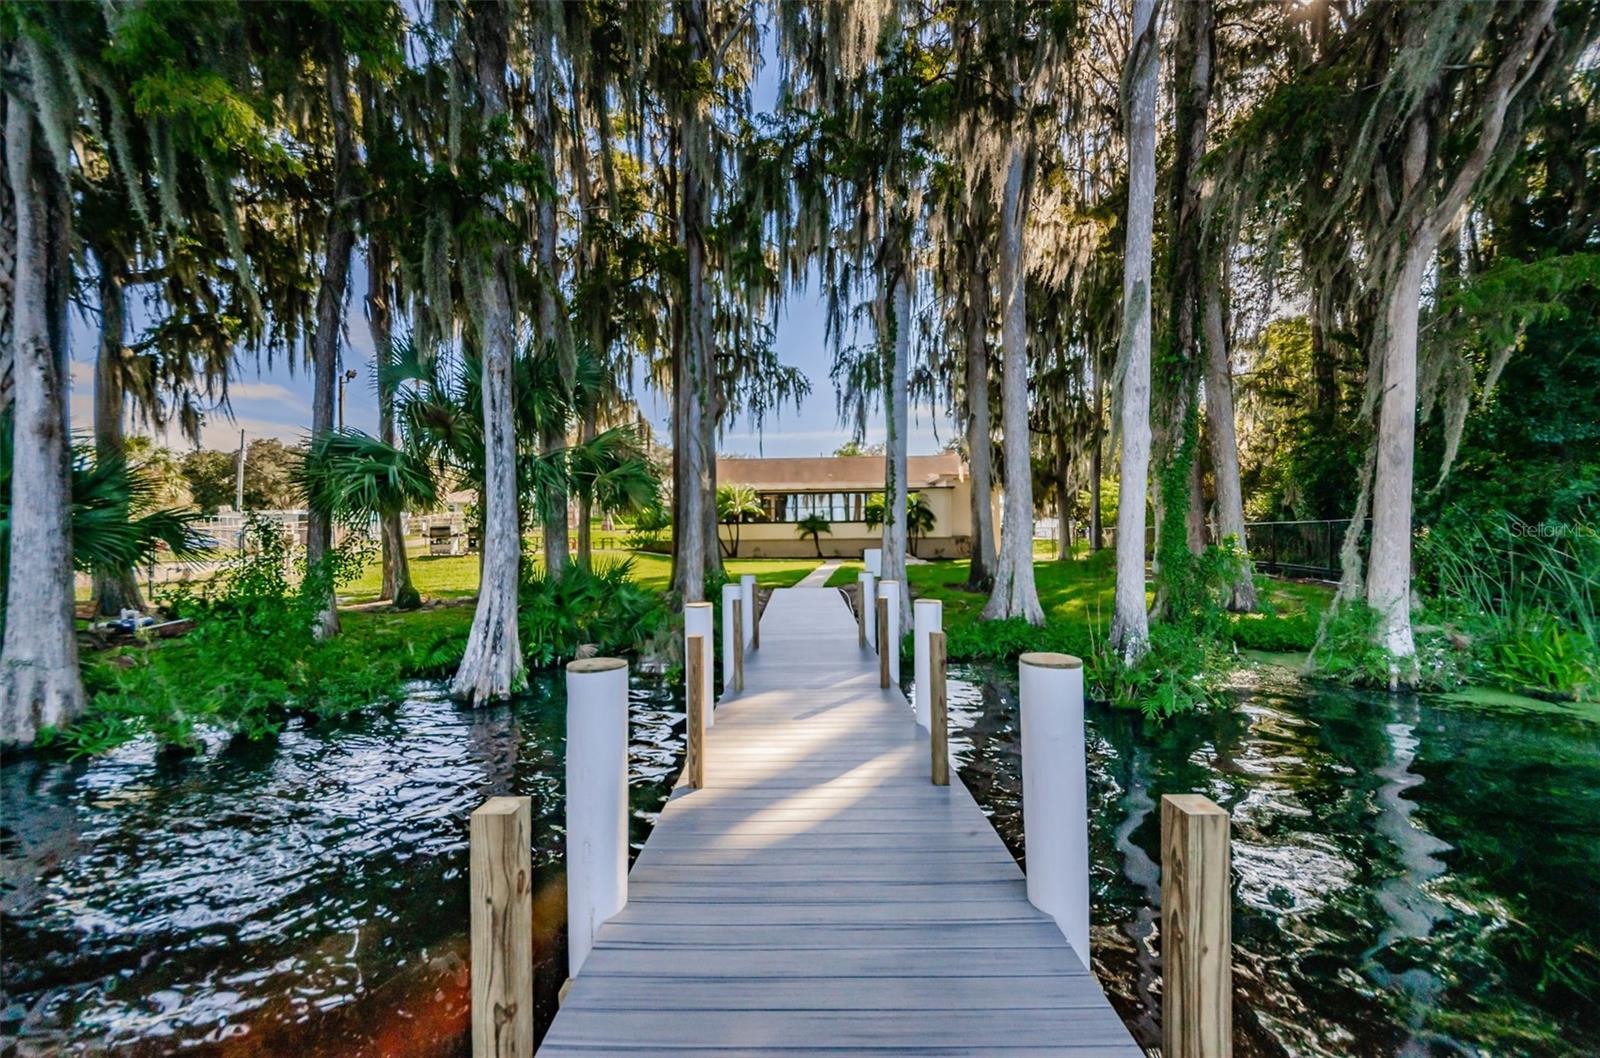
(1413,877)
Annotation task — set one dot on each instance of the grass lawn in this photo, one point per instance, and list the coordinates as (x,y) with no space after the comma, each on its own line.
(1077,597)
(456,576)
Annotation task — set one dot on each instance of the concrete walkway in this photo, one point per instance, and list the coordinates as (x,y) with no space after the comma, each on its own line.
(818,577)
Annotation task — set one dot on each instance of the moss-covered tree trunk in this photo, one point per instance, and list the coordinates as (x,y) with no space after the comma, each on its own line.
(39,681)
(114,589)
(1221,431)
(492,666)
(339,241)
(397,584)
(1130,629)
(980,432)
(1014,594)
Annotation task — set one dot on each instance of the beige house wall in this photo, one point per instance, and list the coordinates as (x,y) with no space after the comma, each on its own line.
(950,500)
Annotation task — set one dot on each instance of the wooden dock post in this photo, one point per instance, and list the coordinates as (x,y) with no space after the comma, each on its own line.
(697,623)
(938,711)
(890,589)
(730,635)
(927,618)
(597,800)
(883,640)
(500,836)
(738,644)
(1196,929)
(747,595)
(694,763)
(1055,803)
(868,610)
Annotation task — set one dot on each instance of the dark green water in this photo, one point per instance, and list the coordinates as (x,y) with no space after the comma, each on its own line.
(1412,878)
(305,897)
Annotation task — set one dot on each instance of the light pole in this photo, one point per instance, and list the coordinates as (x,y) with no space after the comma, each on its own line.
(348,376)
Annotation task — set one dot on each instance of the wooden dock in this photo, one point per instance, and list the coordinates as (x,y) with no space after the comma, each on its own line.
(821,896)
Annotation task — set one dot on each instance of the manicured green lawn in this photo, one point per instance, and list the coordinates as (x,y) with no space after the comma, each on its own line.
(456,576)
(1078,596)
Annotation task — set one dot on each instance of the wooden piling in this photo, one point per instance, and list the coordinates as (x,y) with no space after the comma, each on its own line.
(883,645)
(738,644)
(1196,929)
(500,836)
(938,718)
(755,623)
(861,614)
(694,764)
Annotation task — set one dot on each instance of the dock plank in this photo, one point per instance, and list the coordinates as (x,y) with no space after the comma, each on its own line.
(820,896)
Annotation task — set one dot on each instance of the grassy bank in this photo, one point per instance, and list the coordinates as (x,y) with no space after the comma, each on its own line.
(1077,597)
(456,576)
(251,662)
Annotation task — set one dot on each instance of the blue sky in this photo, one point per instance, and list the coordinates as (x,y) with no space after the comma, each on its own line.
(276,401)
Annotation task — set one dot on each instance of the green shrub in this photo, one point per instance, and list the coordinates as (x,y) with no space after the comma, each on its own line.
(605,608)
(251,661)
(1274,633)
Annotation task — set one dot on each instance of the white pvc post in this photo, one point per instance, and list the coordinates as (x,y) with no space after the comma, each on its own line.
(1055,802)
(747,593)
(730,629)
(597,800)
(890,589)
(697,622)
(927,616)
(869,607)
(872,558)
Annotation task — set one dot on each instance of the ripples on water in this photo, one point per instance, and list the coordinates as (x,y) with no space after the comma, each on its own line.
(307,896)
(1411,878)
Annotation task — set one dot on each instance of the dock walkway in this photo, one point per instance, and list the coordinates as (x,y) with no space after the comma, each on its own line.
(821,896)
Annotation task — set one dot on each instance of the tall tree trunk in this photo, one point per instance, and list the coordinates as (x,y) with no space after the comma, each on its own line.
(551,323)
(897,403)
(1224,441)
(692,394)
(1096,534)
(397,584)
(114,589)
(492,665)
(586,500)
(340,240)
(1192,60)
(980,435)
(39,682)
(710,416)
(1064,496)
(1389,567)
(1014,594)
(1130,630)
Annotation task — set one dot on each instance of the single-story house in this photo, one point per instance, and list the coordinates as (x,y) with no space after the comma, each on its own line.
(838,488)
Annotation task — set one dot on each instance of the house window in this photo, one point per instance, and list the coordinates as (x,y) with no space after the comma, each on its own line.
(795,506)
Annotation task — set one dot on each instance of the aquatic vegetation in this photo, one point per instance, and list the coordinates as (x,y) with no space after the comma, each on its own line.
(252,659)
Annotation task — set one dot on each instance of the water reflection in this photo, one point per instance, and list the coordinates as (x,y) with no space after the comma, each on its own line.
(307,896)
(1411,878)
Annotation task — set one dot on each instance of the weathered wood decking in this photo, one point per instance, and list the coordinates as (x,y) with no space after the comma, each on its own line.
(822,896)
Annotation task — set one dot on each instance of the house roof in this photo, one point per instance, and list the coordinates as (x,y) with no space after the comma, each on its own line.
(823,473)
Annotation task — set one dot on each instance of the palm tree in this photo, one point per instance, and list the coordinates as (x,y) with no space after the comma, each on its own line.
(116,525)
(919,518)
(437,403)
(814,525)
(348,476)
(737,504)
